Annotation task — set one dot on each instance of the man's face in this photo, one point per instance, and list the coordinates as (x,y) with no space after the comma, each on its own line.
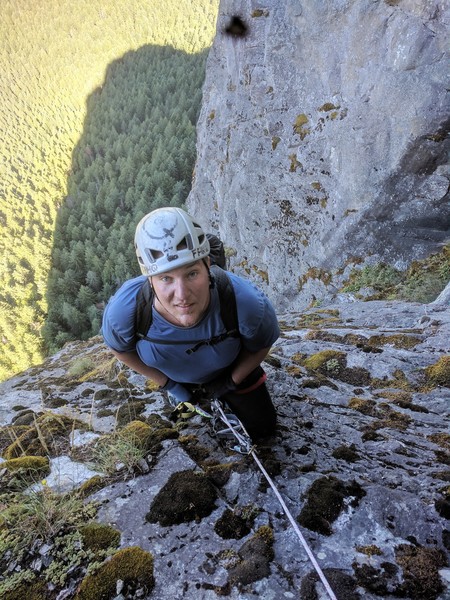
(182,295)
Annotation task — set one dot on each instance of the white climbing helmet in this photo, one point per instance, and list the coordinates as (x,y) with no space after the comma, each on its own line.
(168,238)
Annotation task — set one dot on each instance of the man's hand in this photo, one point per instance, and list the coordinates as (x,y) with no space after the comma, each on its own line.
(218,386)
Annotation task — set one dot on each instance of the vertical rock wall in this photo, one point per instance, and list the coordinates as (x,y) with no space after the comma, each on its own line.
(322,140)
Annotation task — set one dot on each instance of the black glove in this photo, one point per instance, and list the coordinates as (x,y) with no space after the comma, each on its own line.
(219,386)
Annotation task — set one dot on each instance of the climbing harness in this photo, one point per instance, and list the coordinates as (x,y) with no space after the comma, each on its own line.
(244,446)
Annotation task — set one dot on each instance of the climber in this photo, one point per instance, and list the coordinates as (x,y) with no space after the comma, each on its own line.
(193,346)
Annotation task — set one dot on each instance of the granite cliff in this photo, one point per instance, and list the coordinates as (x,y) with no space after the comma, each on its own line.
(322,140)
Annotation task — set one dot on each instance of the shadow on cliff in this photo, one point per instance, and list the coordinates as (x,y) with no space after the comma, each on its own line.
(136,153)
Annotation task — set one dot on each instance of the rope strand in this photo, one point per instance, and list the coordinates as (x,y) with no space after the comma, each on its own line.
(311,557)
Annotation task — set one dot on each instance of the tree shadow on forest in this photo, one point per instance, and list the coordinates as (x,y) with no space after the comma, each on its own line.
(136,153)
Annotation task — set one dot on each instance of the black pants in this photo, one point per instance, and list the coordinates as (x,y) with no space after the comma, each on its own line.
(252,404)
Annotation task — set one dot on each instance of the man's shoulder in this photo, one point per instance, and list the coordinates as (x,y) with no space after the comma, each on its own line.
(129,288)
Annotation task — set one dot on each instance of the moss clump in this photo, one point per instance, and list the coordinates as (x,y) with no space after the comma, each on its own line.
(92,485)
(333,363)
(138,432)
(187,496)
(131,565)
(403,399)
(366,407)
(255,557)
(231,525)
(439,373)
(343,585)
(29,465)
(196,451)
(275,141)
(328,106)
(299,126)
(441,439)
(399,340)
(326,361)
(325,501)
(97,536)
(392,419)
(25,417)
(380,581)
(37,590)
(260,12)
(420,571)
(49,435)
(218,474)
(371,550)
(347,453)
(130,411)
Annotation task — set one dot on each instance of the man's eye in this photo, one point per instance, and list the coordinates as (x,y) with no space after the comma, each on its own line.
(192,274)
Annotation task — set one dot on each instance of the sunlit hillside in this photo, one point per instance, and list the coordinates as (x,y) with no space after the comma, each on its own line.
(55,54)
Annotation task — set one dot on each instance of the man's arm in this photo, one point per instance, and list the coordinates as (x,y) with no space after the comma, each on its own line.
(132,360)
(247,362)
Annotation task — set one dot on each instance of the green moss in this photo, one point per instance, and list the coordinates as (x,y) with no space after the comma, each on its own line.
(421,282)
(98,536)
(138,432)
(325,360)
(80,366)
(420,570)
(299,126)
(260,12)
(366,407)
(231,525)
(130,411)
(193,447)
(347,453)
(391,419)
(399,340)
(325,501)
(439,373)
(314,273)
(92,485)
(218,474)
(187,496)
(38,466)
(370,550)
(275,141)
(255,556)
(129,565)
(295,163)
(441,439)
(328,106)
(49,435)
(37,590)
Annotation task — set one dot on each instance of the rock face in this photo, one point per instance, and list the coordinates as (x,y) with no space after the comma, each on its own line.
(360,458)
(322,140)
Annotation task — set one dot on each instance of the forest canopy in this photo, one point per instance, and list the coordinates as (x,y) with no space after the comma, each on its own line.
(98,109)
(136,154)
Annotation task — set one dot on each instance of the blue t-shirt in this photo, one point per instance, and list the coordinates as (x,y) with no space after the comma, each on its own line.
(258,327)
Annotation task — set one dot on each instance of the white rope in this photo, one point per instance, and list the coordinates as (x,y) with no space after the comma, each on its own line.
(283,504)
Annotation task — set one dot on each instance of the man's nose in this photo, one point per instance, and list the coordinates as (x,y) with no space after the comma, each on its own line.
(181,289)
